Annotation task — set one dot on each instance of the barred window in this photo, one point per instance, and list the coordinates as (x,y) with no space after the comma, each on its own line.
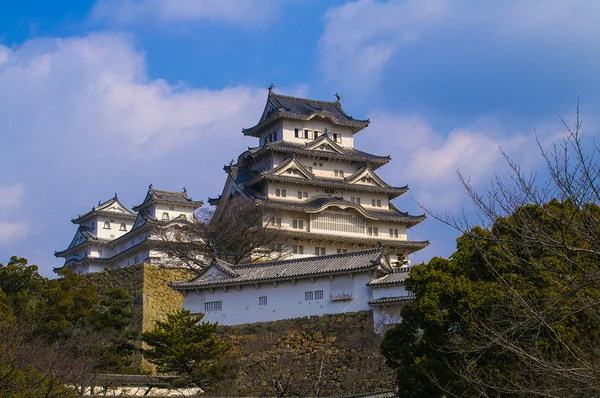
(262,300)
(308,296)
(318,295)
(213,306)
(123,227)
(337,222)
(298,249)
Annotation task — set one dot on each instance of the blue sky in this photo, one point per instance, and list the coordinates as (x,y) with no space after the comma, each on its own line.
(106,96)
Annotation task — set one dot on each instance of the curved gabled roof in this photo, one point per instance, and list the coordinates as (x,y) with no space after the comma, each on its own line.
(169,197)
(112,207)
(286,107)
(287,147)
(82,238)
(319,203)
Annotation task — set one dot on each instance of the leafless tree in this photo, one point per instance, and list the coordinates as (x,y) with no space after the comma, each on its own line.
(240,231)
(552,342)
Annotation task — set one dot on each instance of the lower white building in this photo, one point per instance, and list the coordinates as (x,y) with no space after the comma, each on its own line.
(300,287)
(111,236)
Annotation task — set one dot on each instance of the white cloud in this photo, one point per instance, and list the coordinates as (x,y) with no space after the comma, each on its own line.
(429,159)
(246,12)
(11,197)
(12,232)
(95,89)
(82,119)
(361,37)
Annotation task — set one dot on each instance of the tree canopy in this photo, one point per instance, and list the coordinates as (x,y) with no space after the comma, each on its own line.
(515,311)
(61,330)
(183,345)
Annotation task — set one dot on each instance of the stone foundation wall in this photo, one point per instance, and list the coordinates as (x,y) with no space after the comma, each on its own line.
(327,355)
(152,297)
(312,356)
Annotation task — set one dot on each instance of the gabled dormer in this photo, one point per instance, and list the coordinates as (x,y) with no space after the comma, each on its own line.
(366,176)
(291,168)
(167,205)
(111,208)
(217,270)
(325,143)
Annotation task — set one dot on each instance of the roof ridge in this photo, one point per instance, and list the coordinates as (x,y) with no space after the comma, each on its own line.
(305,99)
(310,258)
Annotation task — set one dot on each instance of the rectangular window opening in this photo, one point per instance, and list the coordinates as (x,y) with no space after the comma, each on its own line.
(308,296)
(213,306)
(262,300)
(318,295)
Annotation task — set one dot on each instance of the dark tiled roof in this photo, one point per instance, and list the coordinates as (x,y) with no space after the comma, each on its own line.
(350,154)
(223,266)
(88,238)
(391,300)
(410,245)
(282,106)
(393,192)
(317,203)
(298,268)
(104,209)
(396,278)
(156,195)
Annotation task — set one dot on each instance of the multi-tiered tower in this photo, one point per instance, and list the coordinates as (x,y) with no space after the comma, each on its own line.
(326,194)
(111,236)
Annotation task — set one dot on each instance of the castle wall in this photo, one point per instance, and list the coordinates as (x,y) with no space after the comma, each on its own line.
(338,353)
(284,300)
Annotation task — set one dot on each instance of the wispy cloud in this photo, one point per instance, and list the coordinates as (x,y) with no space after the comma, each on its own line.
(84,113)
(362,37)
(249,13)
(11,198)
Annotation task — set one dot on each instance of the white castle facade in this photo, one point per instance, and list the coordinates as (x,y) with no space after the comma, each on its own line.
(345,242)
(112,236)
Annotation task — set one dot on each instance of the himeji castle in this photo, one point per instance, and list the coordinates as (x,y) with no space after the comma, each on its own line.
(327,195)
(111,236)
(346,243)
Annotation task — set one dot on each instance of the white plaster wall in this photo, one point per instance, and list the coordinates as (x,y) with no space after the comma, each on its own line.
(277,128)
(384,229)
(318,124)
(325,168)
(172,211)
(115,223)
(284,301)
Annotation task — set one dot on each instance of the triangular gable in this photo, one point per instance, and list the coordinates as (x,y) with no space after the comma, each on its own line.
(366,176)
(292,168)
(78,239)
(114,205)
(217,270)
(139,221)
(324,143)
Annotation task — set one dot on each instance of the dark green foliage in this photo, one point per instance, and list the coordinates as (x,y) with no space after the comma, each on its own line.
(190,348)
(513,312)
(60,328)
